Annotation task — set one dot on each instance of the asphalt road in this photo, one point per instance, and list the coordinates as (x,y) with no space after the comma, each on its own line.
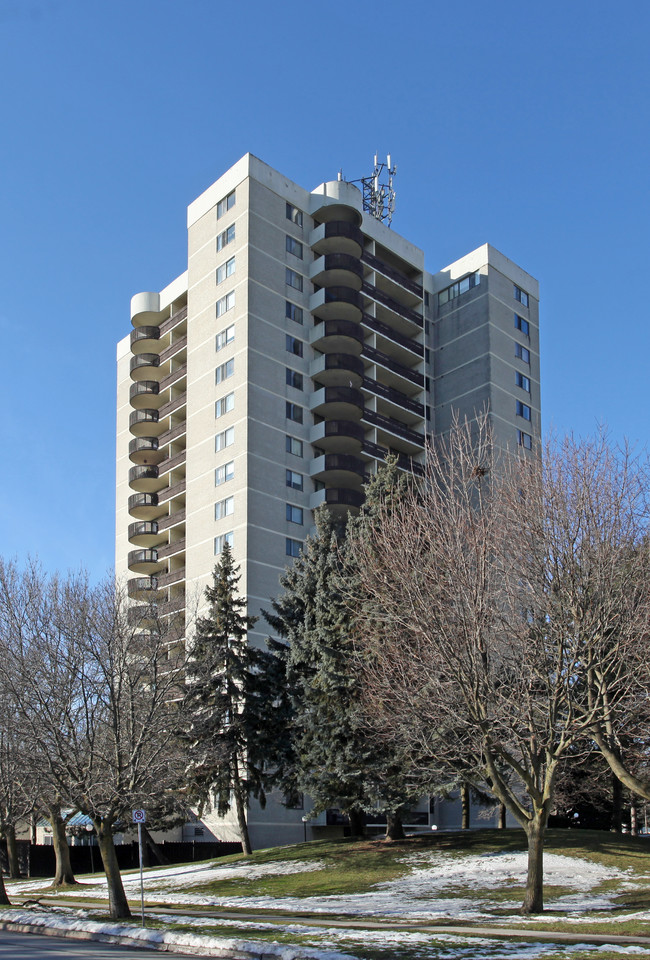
(30,946)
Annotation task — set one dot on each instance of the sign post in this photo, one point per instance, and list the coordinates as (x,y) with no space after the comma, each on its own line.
(140,817)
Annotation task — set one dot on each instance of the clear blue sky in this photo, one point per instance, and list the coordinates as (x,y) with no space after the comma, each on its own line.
(525,125)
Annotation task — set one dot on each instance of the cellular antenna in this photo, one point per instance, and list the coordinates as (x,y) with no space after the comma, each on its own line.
(378,191)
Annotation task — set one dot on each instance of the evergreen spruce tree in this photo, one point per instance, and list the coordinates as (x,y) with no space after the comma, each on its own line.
(227,704)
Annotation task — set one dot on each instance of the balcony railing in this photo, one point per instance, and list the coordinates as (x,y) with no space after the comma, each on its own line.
(393,274)
(376,356)
(386,331)
(375,294)
(393,396)
(174,320)
(393,426)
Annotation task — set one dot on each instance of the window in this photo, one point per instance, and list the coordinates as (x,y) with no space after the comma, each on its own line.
(523,325)
(226,303)
(294,446)
(522,382)
(294,214)
(524,440)
(294,345)
(426,298)
(292,312)
(522,353)
(224,508)
(294,412)
(294,247)
(220,541)
(294,379)
(224,473)
(224,405)
(523,410)
(293,547)
(225,337)
(226,204)
(294,480)
(226,270)
(225,370)
(226,237)
(520,295)
(224,439)
(461,286)
(294,279)
(294,514)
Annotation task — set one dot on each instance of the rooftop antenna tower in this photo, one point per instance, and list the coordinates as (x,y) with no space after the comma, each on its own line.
(378,191)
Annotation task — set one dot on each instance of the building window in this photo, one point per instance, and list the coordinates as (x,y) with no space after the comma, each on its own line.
(522,382)
(294,412)
(225,337)
(522,353)
(225,370)
(224,508)
(226,270)
(426,298)
(294,514)
(294,279)
(226,303)
(523,325)
(524,440)
(292,312)
(294,379)
(224,405)
(294,247)
(294,480)
(294,214)
(226,237)
(293,547)
(221,540)
(224,473)
(520,296)
(523,410)
(294,446)
(224,439)
(226,204)
(294,345)
(461,286)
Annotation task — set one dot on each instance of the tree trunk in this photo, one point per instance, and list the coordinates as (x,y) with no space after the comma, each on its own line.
(534,896)
(503,810)
(464,806)
(394,827)
(155,848)
(12,853)
(616,822)
(357,825)
(4,899)
(118,905)
(241,821)
(634,827)
(63,875)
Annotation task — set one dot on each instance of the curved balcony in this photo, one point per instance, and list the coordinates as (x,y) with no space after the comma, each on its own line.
(337,403)
(337,336)
(337,370)
(337,236)
(145,394)
(144,561)
(338,436)
(145,479)
(336,497)
(145,423)
(145,506)
(144,366)
(338,469)
(337,269)
(337,200)
(145,533)
(145,339)
(142,588)
(334,303)
(145,450)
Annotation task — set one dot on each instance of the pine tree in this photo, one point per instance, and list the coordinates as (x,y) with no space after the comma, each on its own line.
(226,703)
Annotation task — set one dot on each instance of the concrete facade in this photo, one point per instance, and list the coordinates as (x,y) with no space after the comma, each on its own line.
(304,342)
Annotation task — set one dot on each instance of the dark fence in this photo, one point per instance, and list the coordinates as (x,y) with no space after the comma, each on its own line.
(37,860)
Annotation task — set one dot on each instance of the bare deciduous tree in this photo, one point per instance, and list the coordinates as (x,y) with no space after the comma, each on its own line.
(489,601)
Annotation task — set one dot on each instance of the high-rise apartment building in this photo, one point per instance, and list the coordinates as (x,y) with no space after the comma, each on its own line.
(304,341)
